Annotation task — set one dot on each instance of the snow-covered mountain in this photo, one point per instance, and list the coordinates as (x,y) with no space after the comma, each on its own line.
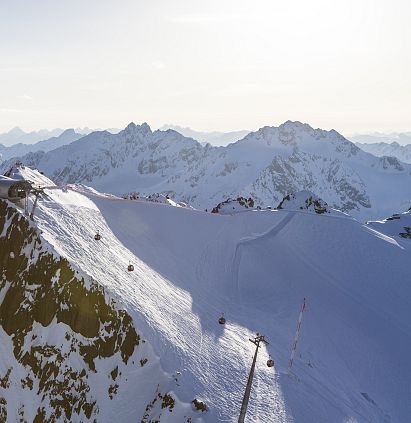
(20,149)
(394,149)
(76,326)
(265,165)
(214,138)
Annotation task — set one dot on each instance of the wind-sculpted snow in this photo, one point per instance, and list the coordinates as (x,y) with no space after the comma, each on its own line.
(266,165)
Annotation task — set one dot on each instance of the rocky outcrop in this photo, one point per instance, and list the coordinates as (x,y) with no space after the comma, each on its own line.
(232,206)
(304,200)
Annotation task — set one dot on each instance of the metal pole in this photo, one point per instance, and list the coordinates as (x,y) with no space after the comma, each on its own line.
(26,203)
(259,338)
(37,192)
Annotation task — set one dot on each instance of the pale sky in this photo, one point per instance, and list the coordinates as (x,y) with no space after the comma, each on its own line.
(210,65)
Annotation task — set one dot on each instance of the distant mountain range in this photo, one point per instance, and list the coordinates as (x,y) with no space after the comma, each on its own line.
(214,138)
(402,138)
(266,165)
(20,149)
(17,135)
(401,152)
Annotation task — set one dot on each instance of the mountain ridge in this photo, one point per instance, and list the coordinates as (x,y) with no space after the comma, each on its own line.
(266,164)
(19,149)
(393,149)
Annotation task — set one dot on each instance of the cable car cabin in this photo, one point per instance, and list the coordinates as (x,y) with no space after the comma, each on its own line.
(130,267)
(13,189)
(270,362)
(97,236)
(221,320)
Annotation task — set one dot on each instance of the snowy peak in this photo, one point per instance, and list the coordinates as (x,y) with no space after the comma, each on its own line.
(132,129)
(67,133)
(16,132)
(301,136)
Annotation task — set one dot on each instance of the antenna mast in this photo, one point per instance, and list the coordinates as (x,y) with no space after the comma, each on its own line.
(297,335)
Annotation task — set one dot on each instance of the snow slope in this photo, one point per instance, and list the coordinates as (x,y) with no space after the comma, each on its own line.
(255,266)
(266,165)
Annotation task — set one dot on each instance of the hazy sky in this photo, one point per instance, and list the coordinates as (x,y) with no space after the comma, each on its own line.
(215,64)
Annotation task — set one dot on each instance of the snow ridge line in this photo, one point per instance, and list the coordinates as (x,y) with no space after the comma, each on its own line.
(271,232)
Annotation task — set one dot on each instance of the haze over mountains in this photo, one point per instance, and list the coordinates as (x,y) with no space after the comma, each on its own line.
(402,138)
(214,138)
(394,149)
(18,136)
(266,164)
(20,149)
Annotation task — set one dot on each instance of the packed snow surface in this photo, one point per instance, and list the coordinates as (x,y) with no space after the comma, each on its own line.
(352,362)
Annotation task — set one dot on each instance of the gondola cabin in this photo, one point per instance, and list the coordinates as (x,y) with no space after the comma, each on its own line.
(221,320)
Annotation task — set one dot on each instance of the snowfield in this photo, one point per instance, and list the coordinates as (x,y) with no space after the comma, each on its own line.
(352,362)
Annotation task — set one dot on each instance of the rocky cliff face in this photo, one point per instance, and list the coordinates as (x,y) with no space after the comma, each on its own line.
(66,349)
